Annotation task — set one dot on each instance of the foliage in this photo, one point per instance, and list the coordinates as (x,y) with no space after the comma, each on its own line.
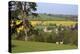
(19,11)
(67,36)
(71,37)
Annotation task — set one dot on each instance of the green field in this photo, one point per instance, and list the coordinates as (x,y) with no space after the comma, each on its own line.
(28,46)
(46,17)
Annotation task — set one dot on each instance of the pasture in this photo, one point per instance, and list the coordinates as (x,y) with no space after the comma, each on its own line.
(29,46)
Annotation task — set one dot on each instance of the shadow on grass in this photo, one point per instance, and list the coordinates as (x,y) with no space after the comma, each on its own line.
(13,46)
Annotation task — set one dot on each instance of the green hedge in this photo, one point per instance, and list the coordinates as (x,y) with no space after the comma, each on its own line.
(69,36)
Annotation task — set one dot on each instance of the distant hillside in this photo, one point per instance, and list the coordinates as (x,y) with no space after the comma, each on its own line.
(54,17)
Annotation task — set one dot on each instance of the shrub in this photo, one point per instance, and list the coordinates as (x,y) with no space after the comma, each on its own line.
(67,37)
(74,37)
(20,36)
(50,27)
(52,38)
(71,37)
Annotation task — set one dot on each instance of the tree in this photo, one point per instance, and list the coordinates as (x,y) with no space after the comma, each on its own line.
(20,11)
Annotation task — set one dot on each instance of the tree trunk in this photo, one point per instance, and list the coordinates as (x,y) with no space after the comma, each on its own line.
(26,36)
(25,29)
(24,22)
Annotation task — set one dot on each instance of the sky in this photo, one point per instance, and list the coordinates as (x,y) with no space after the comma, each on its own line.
(66,9)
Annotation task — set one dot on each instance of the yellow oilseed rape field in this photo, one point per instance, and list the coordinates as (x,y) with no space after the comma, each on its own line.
(64,23)
(34,23)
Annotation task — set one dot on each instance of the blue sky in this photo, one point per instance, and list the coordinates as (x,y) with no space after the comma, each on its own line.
(57,8)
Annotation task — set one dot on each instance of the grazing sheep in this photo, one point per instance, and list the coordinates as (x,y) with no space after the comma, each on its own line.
(61,42)
(57,43)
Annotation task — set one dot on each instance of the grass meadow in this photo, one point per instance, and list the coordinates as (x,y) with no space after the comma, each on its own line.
(29,46)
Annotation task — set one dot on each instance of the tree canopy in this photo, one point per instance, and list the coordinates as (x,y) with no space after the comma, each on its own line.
(19,11)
